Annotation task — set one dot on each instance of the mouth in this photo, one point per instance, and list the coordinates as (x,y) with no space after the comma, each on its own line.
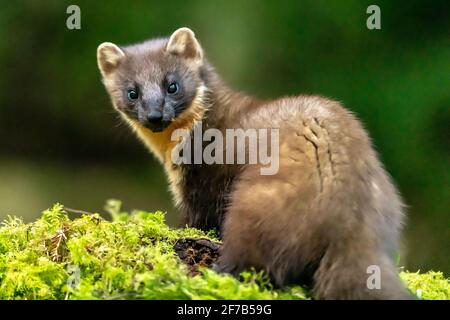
(156,127)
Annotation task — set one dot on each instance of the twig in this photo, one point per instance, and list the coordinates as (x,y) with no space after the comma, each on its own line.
(77,211)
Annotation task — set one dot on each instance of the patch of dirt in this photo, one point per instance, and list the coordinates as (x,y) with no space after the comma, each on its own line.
(197,253)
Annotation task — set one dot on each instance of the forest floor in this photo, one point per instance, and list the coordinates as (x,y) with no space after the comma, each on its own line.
(135,256)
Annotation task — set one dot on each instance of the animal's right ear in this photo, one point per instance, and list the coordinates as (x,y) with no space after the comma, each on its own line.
(109,57)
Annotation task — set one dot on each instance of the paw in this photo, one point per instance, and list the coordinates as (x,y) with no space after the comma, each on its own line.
(217,268)
(222,266)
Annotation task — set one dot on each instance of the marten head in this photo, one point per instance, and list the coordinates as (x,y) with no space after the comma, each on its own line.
(155,83)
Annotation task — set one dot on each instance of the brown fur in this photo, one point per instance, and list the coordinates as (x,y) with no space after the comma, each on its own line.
(329,212)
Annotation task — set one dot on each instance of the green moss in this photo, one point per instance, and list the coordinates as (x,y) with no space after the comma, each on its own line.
(129,257)
(428,286)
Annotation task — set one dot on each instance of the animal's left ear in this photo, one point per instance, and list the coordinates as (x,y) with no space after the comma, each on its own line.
(184,44)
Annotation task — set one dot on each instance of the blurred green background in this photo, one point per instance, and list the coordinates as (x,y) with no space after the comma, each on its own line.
(60,140)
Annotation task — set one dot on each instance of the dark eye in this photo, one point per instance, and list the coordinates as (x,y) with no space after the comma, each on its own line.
(172,88)
(132,94)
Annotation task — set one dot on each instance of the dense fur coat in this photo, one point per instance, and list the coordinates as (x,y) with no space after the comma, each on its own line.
(329,213)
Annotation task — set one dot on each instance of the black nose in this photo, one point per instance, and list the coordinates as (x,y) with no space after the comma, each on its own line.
(154,117)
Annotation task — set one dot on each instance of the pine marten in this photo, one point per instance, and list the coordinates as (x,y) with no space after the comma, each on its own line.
(327,215)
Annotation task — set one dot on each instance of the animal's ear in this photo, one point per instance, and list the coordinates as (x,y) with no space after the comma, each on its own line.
(109,57)
(184,44)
